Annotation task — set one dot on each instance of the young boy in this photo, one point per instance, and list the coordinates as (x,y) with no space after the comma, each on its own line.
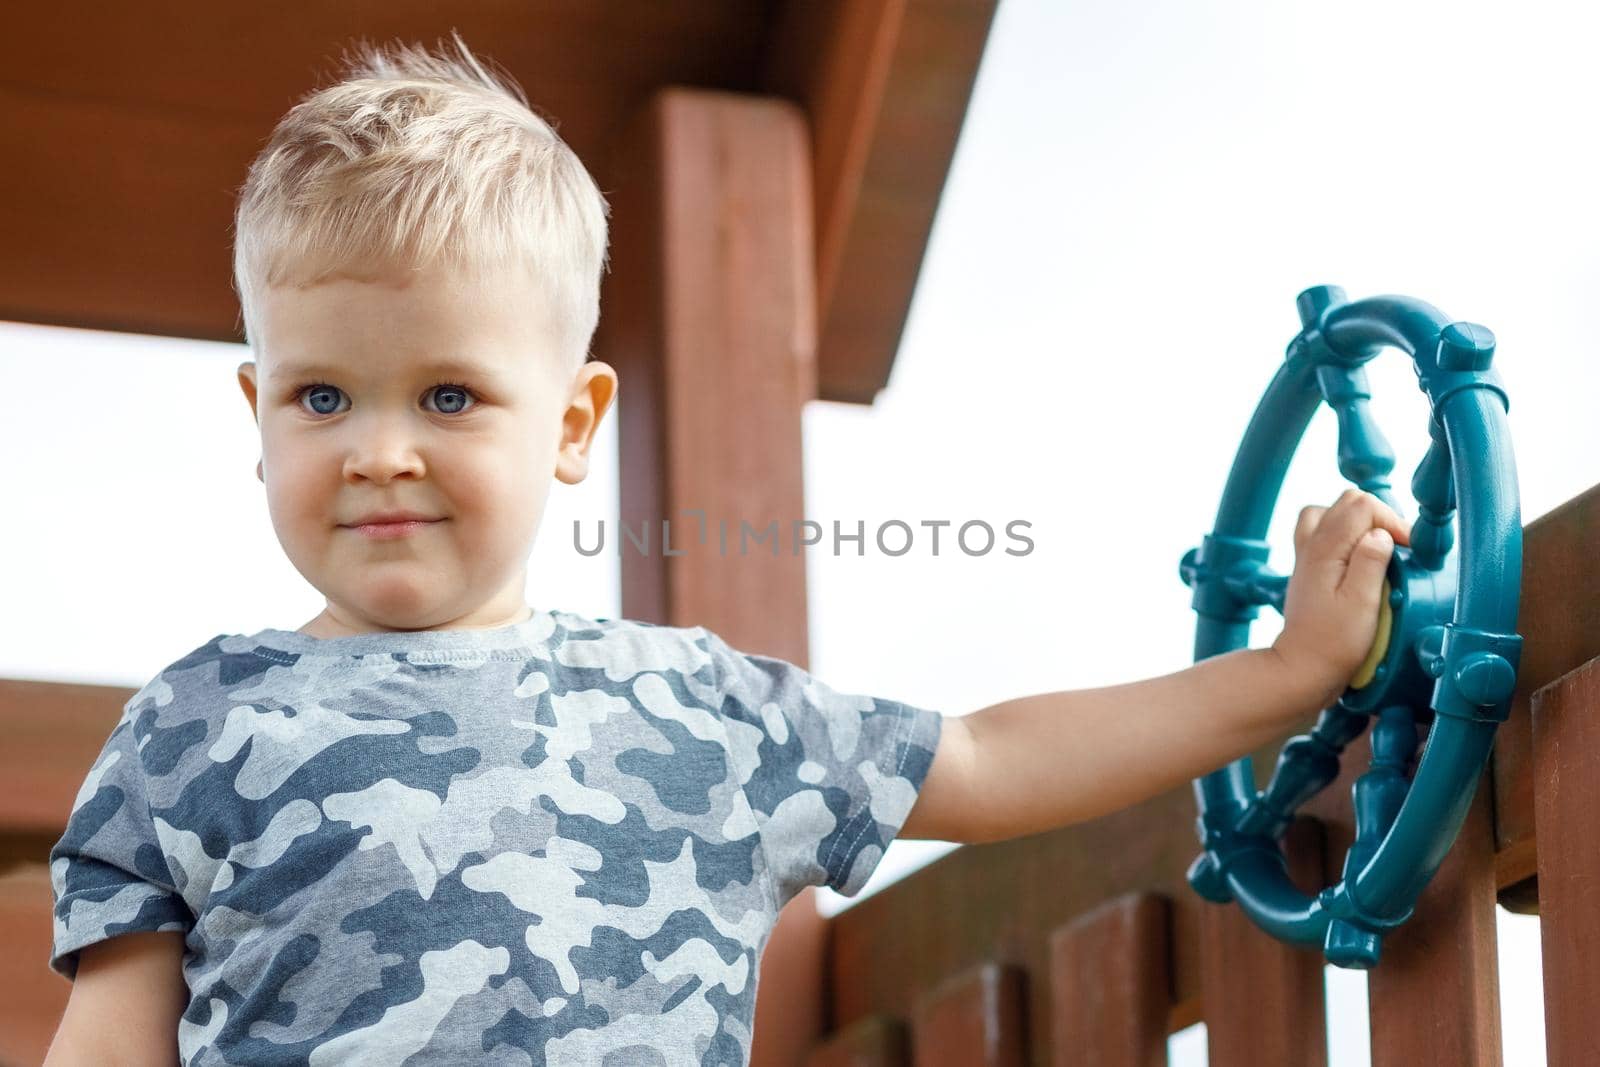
(436,825)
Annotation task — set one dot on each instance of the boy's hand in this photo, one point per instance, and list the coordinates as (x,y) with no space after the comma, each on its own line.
(1330,609)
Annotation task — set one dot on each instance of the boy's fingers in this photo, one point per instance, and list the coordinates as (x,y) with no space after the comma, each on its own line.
(1352,516)
(1395,524)
(1305,526)
(1368,562)
(1383,516)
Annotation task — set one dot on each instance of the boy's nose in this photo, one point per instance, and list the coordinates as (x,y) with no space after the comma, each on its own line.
(383,462)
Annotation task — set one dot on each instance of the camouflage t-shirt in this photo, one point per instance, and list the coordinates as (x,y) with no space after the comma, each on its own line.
(563,841)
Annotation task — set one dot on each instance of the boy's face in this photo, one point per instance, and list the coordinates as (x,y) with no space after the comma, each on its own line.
(376,433)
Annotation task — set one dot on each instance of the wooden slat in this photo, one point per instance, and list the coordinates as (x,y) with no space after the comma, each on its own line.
(876,1041)
(711,328)
(1566,762)
(976,1019)
(1435,994)
(1263,998)
(1111,985)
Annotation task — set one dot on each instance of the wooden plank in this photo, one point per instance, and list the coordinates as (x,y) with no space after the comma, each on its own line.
(713,340)
(975,1019)
(1566,762)
(1264,1001)
(1435,994)
(1111,985)
(876,1041)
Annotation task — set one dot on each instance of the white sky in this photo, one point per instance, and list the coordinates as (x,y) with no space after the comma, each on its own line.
(1138,195)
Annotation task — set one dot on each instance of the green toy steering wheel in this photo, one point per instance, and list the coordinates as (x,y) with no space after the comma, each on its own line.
(1446,651)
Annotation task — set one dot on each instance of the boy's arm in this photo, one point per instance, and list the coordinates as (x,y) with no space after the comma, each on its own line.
(125,1004)
(1040,762)
(1044,761)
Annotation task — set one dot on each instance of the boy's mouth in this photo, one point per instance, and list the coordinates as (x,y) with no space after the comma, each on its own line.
(384,531)
(378,518)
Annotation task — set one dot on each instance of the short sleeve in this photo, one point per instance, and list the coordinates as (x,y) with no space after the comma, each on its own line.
(830,777)
(108,873)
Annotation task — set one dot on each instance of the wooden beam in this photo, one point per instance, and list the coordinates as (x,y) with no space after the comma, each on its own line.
(886,85)
(1566,733)
(711,329)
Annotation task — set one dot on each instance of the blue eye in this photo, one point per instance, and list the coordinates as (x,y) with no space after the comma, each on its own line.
(315,390)
(451,389)
(460,398)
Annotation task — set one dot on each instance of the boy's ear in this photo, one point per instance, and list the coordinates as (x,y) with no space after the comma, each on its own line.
(247,382)
(592,393)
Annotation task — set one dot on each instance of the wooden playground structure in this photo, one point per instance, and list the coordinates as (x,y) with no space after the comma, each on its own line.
(813,140)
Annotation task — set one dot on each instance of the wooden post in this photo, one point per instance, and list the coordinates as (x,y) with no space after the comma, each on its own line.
(1111,985)
(1435,994)
(1566,769)
(978,1018)
(709,316)
(876,1041)
(1264,1001)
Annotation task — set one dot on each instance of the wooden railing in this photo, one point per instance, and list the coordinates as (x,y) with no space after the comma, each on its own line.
(1086,946)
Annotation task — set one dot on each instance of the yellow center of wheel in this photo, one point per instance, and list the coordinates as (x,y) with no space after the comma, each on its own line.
(1380,643)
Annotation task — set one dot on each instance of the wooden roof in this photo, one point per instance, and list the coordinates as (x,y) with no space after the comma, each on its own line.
(126,132)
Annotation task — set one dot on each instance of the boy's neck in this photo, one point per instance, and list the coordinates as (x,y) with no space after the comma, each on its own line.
(326,625)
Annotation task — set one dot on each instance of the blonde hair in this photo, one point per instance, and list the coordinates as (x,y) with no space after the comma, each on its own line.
(415,159)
